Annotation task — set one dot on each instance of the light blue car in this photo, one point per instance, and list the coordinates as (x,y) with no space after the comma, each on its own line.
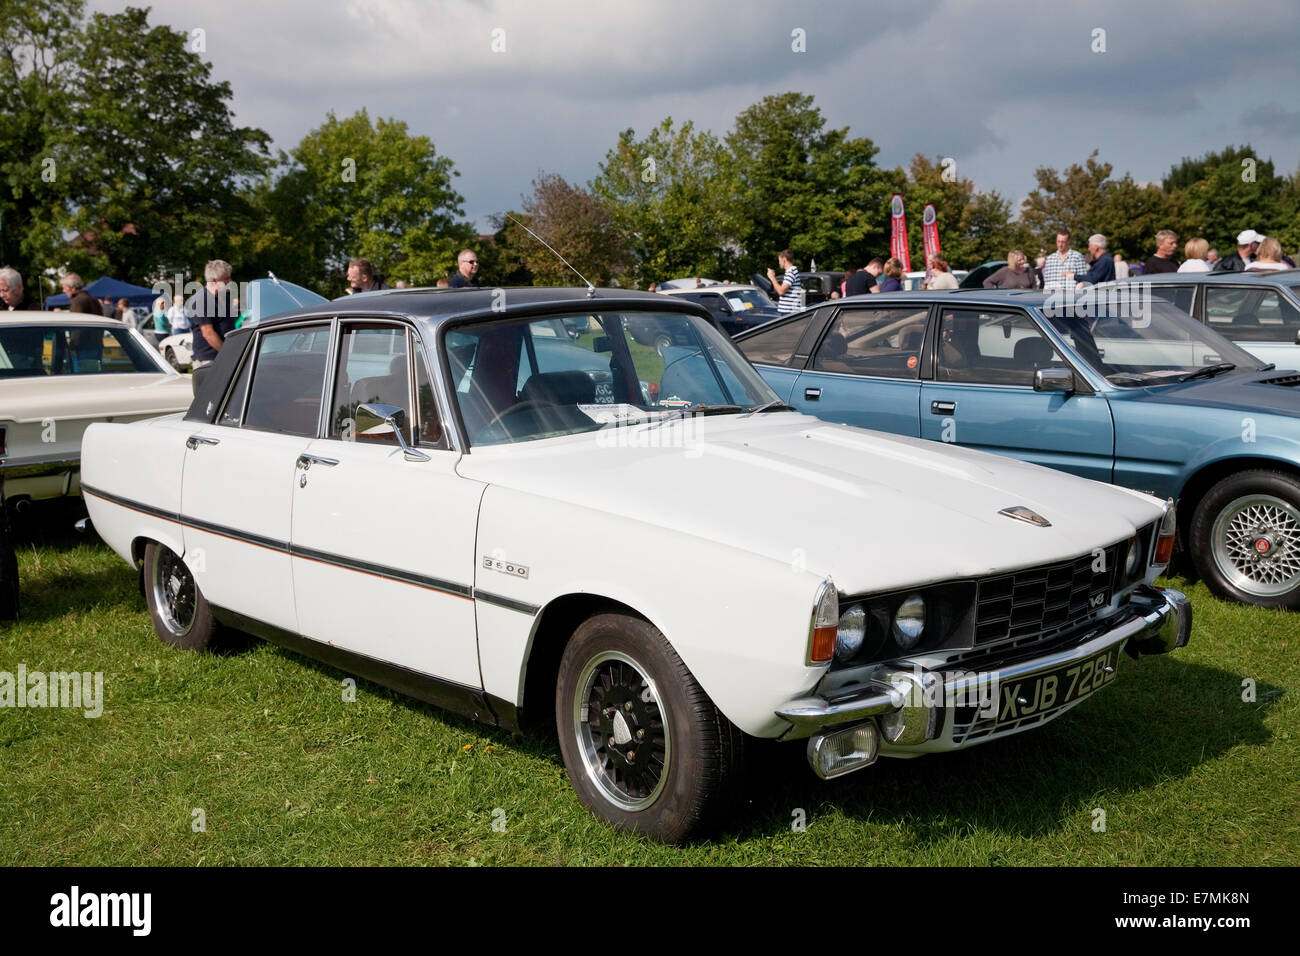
(1124,389)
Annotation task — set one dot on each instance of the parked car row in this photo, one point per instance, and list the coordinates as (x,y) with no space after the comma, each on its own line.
(509,513)
(1151,400)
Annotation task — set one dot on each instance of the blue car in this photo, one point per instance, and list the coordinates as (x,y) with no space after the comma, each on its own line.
(1122,388)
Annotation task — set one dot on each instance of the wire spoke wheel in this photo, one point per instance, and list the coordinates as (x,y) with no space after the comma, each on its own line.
(174,593)
(1256,544)
(621,730)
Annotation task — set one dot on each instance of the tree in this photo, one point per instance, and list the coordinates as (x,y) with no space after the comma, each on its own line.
(1086,200)
(152,160)
(974,227)
(801,186)
(577,225)
(671,197)
(38,47)
(1221,194)
(353,189)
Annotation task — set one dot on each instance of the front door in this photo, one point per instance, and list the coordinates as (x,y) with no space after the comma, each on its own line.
(983,396)
(383,546)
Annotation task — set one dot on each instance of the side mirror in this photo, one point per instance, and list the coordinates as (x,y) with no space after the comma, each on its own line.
(373,418)
(1054,380)
(1297,336)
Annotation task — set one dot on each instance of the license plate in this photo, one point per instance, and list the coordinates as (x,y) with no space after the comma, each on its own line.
(1053,689)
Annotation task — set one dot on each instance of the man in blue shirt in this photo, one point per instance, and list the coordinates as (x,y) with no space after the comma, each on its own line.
(1103,266)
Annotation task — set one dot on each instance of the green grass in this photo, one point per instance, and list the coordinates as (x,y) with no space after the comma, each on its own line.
(286,772)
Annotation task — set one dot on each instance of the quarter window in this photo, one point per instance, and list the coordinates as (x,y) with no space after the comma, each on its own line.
(288,380)
(875,342)
(775,345)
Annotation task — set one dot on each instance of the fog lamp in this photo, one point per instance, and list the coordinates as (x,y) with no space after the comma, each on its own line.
(841,751)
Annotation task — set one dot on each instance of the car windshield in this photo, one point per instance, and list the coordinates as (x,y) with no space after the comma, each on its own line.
(742,299)
(1135,340)
(27,351)
(539,378)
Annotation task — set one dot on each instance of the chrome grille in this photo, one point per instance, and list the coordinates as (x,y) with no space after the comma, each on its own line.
(1044,600)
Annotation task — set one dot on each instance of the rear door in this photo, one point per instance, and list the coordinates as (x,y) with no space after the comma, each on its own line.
(983,396)
(866,369)
(239,475)
(1262,320)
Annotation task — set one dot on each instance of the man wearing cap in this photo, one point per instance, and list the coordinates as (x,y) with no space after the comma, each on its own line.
(1247,243)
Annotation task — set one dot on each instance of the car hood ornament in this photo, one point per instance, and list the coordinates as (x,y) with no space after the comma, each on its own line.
(1021,513)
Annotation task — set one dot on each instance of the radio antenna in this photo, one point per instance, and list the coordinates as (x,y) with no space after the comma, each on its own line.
(591,289)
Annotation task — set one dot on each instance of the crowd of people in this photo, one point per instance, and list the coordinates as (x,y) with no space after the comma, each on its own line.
(1065,267)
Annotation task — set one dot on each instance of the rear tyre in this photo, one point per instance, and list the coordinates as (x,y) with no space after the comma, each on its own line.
(180,612)
(646,749)
(1245,539)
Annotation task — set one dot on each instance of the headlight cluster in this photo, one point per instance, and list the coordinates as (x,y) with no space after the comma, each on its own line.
(899,623)
(1136,556)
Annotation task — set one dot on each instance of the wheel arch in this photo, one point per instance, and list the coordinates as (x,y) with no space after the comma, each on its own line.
(1207,476)
(555,626)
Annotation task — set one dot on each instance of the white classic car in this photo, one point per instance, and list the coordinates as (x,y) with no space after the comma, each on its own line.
(178,349)
(58,373)
(499,502)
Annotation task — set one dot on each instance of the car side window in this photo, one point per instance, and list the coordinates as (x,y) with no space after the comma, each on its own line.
(875,342)
(373,367)
(776,343)
(1180,296)
(1251,315)
(991,348)
(288,380)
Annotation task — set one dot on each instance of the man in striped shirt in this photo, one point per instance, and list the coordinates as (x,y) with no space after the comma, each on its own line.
(788,286)
(1060,267)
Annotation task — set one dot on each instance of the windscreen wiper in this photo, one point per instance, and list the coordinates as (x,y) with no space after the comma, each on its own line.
(1209,371)
(776,405)
(699,408)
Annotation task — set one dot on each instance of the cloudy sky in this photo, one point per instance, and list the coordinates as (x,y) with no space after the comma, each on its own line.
(1001,88)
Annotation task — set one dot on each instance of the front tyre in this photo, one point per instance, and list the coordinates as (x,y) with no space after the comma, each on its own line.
(646,749)
(1245,539)
(180,612)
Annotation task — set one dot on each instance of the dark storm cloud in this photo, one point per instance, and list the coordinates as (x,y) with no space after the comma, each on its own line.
(1002,88)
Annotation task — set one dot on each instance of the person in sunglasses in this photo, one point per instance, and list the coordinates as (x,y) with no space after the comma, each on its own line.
(466,276)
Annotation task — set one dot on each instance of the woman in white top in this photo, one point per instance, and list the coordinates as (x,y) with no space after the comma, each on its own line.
(1195,251)
(1269,257)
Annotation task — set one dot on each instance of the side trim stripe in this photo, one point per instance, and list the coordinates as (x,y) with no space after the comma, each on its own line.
(464,591)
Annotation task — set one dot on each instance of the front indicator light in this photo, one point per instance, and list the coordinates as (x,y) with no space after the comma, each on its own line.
(825,624)
(1165,538)
(909,622)
(839,752)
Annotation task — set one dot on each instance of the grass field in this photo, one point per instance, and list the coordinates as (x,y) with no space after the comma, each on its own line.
(259,746)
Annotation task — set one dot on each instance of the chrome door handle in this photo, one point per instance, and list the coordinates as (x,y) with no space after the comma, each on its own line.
(194,441)
(812,394)
(305,461)
(942,408)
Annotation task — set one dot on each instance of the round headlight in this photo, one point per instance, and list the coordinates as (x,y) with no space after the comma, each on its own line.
(1133,559)
(852,630)
(909,622)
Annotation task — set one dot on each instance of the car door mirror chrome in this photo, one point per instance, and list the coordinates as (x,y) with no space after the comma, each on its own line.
(1054,380)
(372,418)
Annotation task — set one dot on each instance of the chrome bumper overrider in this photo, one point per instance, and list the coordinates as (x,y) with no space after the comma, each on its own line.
(908,704)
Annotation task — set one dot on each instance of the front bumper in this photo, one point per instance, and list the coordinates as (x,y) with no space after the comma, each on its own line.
(925,710)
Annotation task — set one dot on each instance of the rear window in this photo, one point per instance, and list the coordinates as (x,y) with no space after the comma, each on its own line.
(28,351)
